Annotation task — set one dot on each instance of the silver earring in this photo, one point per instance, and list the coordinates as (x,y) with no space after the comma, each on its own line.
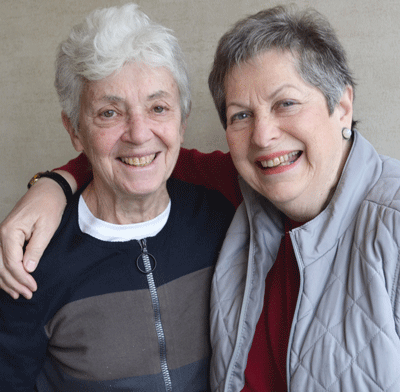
(346,133)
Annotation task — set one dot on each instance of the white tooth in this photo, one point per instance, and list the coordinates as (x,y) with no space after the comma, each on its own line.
(142,161)
(283,159)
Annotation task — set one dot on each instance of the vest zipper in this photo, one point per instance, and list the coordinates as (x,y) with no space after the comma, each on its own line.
(157,314)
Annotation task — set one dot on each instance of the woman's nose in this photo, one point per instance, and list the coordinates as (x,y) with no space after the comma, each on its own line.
(264,131)
(137,130)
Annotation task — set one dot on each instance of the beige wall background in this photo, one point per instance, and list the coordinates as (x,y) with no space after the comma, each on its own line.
(33,138)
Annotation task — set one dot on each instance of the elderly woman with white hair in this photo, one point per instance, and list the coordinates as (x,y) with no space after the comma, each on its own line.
(123,298)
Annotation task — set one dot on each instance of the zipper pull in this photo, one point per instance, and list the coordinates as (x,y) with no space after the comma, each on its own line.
(143,245)
(146,259)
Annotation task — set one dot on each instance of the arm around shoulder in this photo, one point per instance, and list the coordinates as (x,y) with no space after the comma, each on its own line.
(31,224)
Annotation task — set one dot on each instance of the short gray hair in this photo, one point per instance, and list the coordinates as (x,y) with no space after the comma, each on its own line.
(104,42)
(321,59)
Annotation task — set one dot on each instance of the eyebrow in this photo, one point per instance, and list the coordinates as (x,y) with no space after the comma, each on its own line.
(270,97)
(111,98)
(158,94)
(155,95)
(280,88)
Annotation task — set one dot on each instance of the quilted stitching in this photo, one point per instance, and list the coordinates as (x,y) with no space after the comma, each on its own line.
(370,333)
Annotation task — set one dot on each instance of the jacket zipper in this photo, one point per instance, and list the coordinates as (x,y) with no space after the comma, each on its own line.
(296,312)
(157,314)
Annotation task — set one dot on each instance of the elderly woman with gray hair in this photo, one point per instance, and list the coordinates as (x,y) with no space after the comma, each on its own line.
(306,293)
(123,298)
(306,289)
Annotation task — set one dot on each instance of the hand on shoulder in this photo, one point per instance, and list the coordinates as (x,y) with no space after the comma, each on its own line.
(32,222)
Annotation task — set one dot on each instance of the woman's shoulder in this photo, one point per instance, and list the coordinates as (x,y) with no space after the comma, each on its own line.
(200,208)
(213,170)
(192,197)
(386,191)
(378,218)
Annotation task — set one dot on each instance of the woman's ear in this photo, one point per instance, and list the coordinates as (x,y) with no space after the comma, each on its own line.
(346,107)
(76,142)
(183,127)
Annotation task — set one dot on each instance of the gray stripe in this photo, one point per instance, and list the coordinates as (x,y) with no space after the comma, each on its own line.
(186,325)
(113,336)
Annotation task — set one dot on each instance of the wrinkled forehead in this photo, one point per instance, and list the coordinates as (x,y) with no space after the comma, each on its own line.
(134,80)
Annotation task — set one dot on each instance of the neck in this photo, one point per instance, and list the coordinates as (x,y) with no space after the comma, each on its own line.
(124,209)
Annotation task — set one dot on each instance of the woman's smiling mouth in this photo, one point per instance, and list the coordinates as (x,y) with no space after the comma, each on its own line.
(139,161)
(282,160)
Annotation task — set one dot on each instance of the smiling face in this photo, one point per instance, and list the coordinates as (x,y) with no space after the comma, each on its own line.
(282,139)
(130,128)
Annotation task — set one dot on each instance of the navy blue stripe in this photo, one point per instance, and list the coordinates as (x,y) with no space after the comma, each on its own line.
(189,242)
(190,378)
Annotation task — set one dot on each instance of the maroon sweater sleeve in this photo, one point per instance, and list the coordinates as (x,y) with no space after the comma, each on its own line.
(213,170)
(80,168)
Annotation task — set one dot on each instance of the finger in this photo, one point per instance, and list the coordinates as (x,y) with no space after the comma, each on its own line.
(8,290)
(14,278)
(12,287)
(12,271)
(36,246)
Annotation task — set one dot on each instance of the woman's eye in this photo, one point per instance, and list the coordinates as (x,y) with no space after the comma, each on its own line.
(286,104)
(108,113)
(240,116)
(158,109)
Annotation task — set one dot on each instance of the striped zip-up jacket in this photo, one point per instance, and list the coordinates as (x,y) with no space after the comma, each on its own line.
(92,324)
